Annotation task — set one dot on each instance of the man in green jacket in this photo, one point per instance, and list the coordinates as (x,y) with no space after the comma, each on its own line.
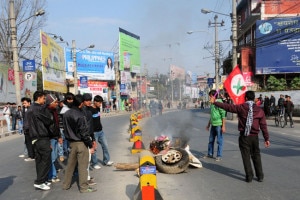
(217,127)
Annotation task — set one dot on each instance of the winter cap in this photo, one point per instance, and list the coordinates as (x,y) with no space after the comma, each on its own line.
(87,97)
(50,98)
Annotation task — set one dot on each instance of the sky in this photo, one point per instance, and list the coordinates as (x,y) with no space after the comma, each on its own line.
(161,24)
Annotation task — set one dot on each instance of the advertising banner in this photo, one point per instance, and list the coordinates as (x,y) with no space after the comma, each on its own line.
(95,87)
(129,51)
(53,65)
(97,65)
(125,83)
(7,85)
(278,46)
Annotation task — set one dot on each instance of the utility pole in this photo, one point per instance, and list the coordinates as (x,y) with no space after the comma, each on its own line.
(15,51)
(117,86)
(216,25)
(234,34)
(74,67)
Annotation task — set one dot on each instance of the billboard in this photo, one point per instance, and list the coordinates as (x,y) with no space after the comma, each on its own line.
(97,65)
(7,84)
(129,51)
(94,87)
(53,65)
(278,46)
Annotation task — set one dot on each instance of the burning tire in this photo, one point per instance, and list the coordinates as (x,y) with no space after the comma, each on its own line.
(175,161)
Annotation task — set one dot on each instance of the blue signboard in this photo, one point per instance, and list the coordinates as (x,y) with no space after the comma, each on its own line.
(29,66)
(97,65)
(278,46)
(210,81)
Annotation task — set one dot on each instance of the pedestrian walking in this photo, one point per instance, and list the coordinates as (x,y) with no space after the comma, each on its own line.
(77,133)
(19,117)
(39,122)
(29,150)
(99,133)
(289,108)
(251,120)
(13,112)
(7,115)
(55,137)
(217,126)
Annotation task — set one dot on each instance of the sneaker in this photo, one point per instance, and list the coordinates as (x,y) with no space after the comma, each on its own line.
(28,159)
(61,158)
(48,183)
(96,167)
(292,126)
(21,156)
(89,189)
(42,186)
(109,163)
(55,180)
(218,159)
(91,182)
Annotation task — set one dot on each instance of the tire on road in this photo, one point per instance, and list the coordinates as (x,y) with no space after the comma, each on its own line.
(178,161)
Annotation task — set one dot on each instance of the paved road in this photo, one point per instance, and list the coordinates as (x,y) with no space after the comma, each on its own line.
(215,181)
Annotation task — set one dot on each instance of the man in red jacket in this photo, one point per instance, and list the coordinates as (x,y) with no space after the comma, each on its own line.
(251,119)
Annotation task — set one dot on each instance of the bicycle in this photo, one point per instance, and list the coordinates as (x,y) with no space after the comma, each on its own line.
(279,118)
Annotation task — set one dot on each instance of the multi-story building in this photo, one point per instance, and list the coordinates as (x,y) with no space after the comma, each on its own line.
(268,39)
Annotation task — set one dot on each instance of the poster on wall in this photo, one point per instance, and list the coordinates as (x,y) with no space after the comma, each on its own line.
(53,65)
(7,86)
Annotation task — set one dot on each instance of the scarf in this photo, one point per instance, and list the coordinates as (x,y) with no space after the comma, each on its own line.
(249,120)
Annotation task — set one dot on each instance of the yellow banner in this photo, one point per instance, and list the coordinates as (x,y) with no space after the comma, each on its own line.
(53,65)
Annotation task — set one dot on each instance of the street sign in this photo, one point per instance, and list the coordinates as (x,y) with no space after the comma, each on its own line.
(210,81)
(29,66)
(28,76)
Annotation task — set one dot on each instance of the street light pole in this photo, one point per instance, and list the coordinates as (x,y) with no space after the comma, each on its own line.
(234,34)
(74,67)
(216,24)
(234,29)
(15,51)
(13,30)
(74,53)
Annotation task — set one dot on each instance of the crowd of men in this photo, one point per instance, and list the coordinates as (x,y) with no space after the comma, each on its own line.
(66,127)
(284,106)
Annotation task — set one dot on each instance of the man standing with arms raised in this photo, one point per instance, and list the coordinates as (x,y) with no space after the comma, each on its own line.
(251,119)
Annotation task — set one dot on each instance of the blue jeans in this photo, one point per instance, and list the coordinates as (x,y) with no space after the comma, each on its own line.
(54,145)
(20,126)
(215,131)
(100,137)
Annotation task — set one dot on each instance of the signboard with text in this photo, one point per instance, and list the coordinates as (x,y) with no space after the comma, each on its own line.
(278,46)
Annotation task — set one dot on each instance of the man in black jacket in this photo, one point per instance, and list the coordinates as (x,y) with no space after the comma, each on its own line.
(39,122)
(77,133)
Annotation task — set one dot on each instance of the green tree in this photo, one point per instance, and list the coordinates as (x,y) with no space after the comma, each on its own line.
(275,84)
(295,83)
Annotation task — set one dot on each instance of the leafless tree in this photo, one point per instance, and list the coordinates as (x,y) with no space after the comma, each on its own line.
(28,27)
